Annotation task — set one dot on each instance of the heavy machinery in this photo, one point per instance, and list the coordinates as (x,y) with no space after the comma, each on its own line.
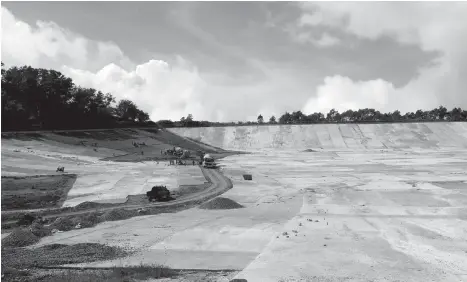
(158,193)
(208,161)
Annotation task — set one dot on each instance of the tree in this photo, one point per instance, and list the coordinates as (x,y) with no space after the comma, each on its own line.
(34,95)
(126,110)
(333,116)
(260,119)
(396,115)
(142,116)
(442,111)
(285,118)
(297,117)
(272,120)
(315,118)
(188,121)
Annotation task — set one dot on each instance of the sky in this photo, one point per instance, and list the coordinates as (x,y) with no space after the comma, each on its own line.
(231,61)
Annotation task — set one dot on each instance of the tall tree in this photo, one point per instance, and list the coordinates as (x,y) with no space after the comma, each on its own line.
(260,119)
(127,110)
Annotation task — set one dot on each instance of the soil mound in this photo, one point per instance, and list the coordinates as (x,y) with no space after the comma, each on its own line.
(63,224)
(39,230)
(89,220)
(87,205)
(220,204)
(19,238)
(118,214)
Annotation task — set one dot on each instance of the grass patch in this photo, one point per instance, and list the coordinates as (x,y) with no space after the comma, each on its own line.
(115,274)
(47,191)
(58,254)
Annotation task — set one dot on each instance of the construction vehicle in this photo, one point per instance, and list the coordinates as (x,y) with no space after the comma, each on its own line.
(208,161)
(158,193)
(185,155)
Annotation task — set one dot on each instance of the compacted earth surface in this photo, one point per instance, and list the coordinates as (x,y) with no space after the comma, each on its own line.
(375,202)
(106,178)
(35,192)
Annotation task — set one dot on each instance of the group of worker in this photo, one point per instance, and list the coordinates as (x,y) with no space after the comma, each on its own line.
(179,162)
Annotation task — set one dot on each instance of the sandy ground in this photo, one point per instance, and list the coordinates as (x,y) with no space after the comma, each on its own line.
(350,137)
(378,220)
(99,181)
(381,217)
(353,211)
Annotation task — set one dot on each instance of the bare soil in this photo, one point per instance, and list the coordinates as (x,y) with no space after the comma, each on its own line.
(18,262)
(35,192)
(220,203)
(116,274)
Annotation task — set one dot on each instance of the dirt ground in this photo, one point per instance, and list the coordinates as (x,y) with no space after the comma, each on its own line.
(118,274)
(353,210)
(34,192)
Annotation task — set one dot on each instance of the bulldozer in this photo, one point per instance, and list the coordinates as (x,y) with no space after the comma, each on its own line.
(159,193)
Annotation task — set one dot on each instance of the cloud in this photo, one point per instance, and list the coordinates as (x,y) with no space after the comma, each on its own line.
(342,93)
(432,26)
(324,40)
(49,45)
(164,91)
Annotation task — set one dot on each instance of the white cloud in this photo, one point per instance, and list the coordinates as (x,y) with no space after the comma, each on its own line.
(49,45)
(164,91)
(433,26)
(342,93)
(325,40)
(303,36)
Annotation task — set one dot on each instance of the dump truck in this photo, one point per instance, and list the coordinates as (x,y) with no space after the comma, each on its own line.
(158,193)
(208,161)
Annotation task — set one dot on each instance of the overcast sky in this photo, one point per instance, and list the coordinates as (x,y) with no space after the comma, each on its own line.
(229,61)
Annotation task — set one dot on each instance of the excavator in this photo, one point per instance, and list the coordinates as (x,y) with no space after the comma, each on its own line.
(159,193)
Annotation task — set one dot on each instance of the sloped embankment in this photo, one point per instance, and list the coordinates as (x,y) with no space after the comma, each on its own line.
(429,135)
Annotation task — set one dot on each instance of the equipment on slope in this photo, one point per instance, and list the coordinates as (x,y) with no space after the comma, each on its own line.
(61,169)
(158,193)
(208,161)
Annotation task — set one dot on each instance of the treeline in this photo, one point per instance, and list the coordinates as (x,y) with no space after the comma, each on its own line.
(35,99)
(333,116)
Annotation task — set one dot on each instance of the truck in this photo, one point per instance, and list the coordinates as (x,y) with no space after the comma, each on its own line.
(208,161)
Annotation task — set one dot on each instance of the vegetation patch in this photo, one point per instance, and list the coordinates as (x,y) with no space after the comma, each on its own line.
(19,237)
(28,92)
(58,254)
(118,214)
(47,191)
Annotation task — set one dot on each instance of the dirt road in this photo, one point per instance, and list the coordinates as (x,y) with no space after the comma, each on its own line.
(219,185)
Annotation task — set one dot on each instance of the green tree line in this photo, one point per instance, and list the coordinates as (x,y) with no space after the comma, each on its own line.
(333,116)
(36,98)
